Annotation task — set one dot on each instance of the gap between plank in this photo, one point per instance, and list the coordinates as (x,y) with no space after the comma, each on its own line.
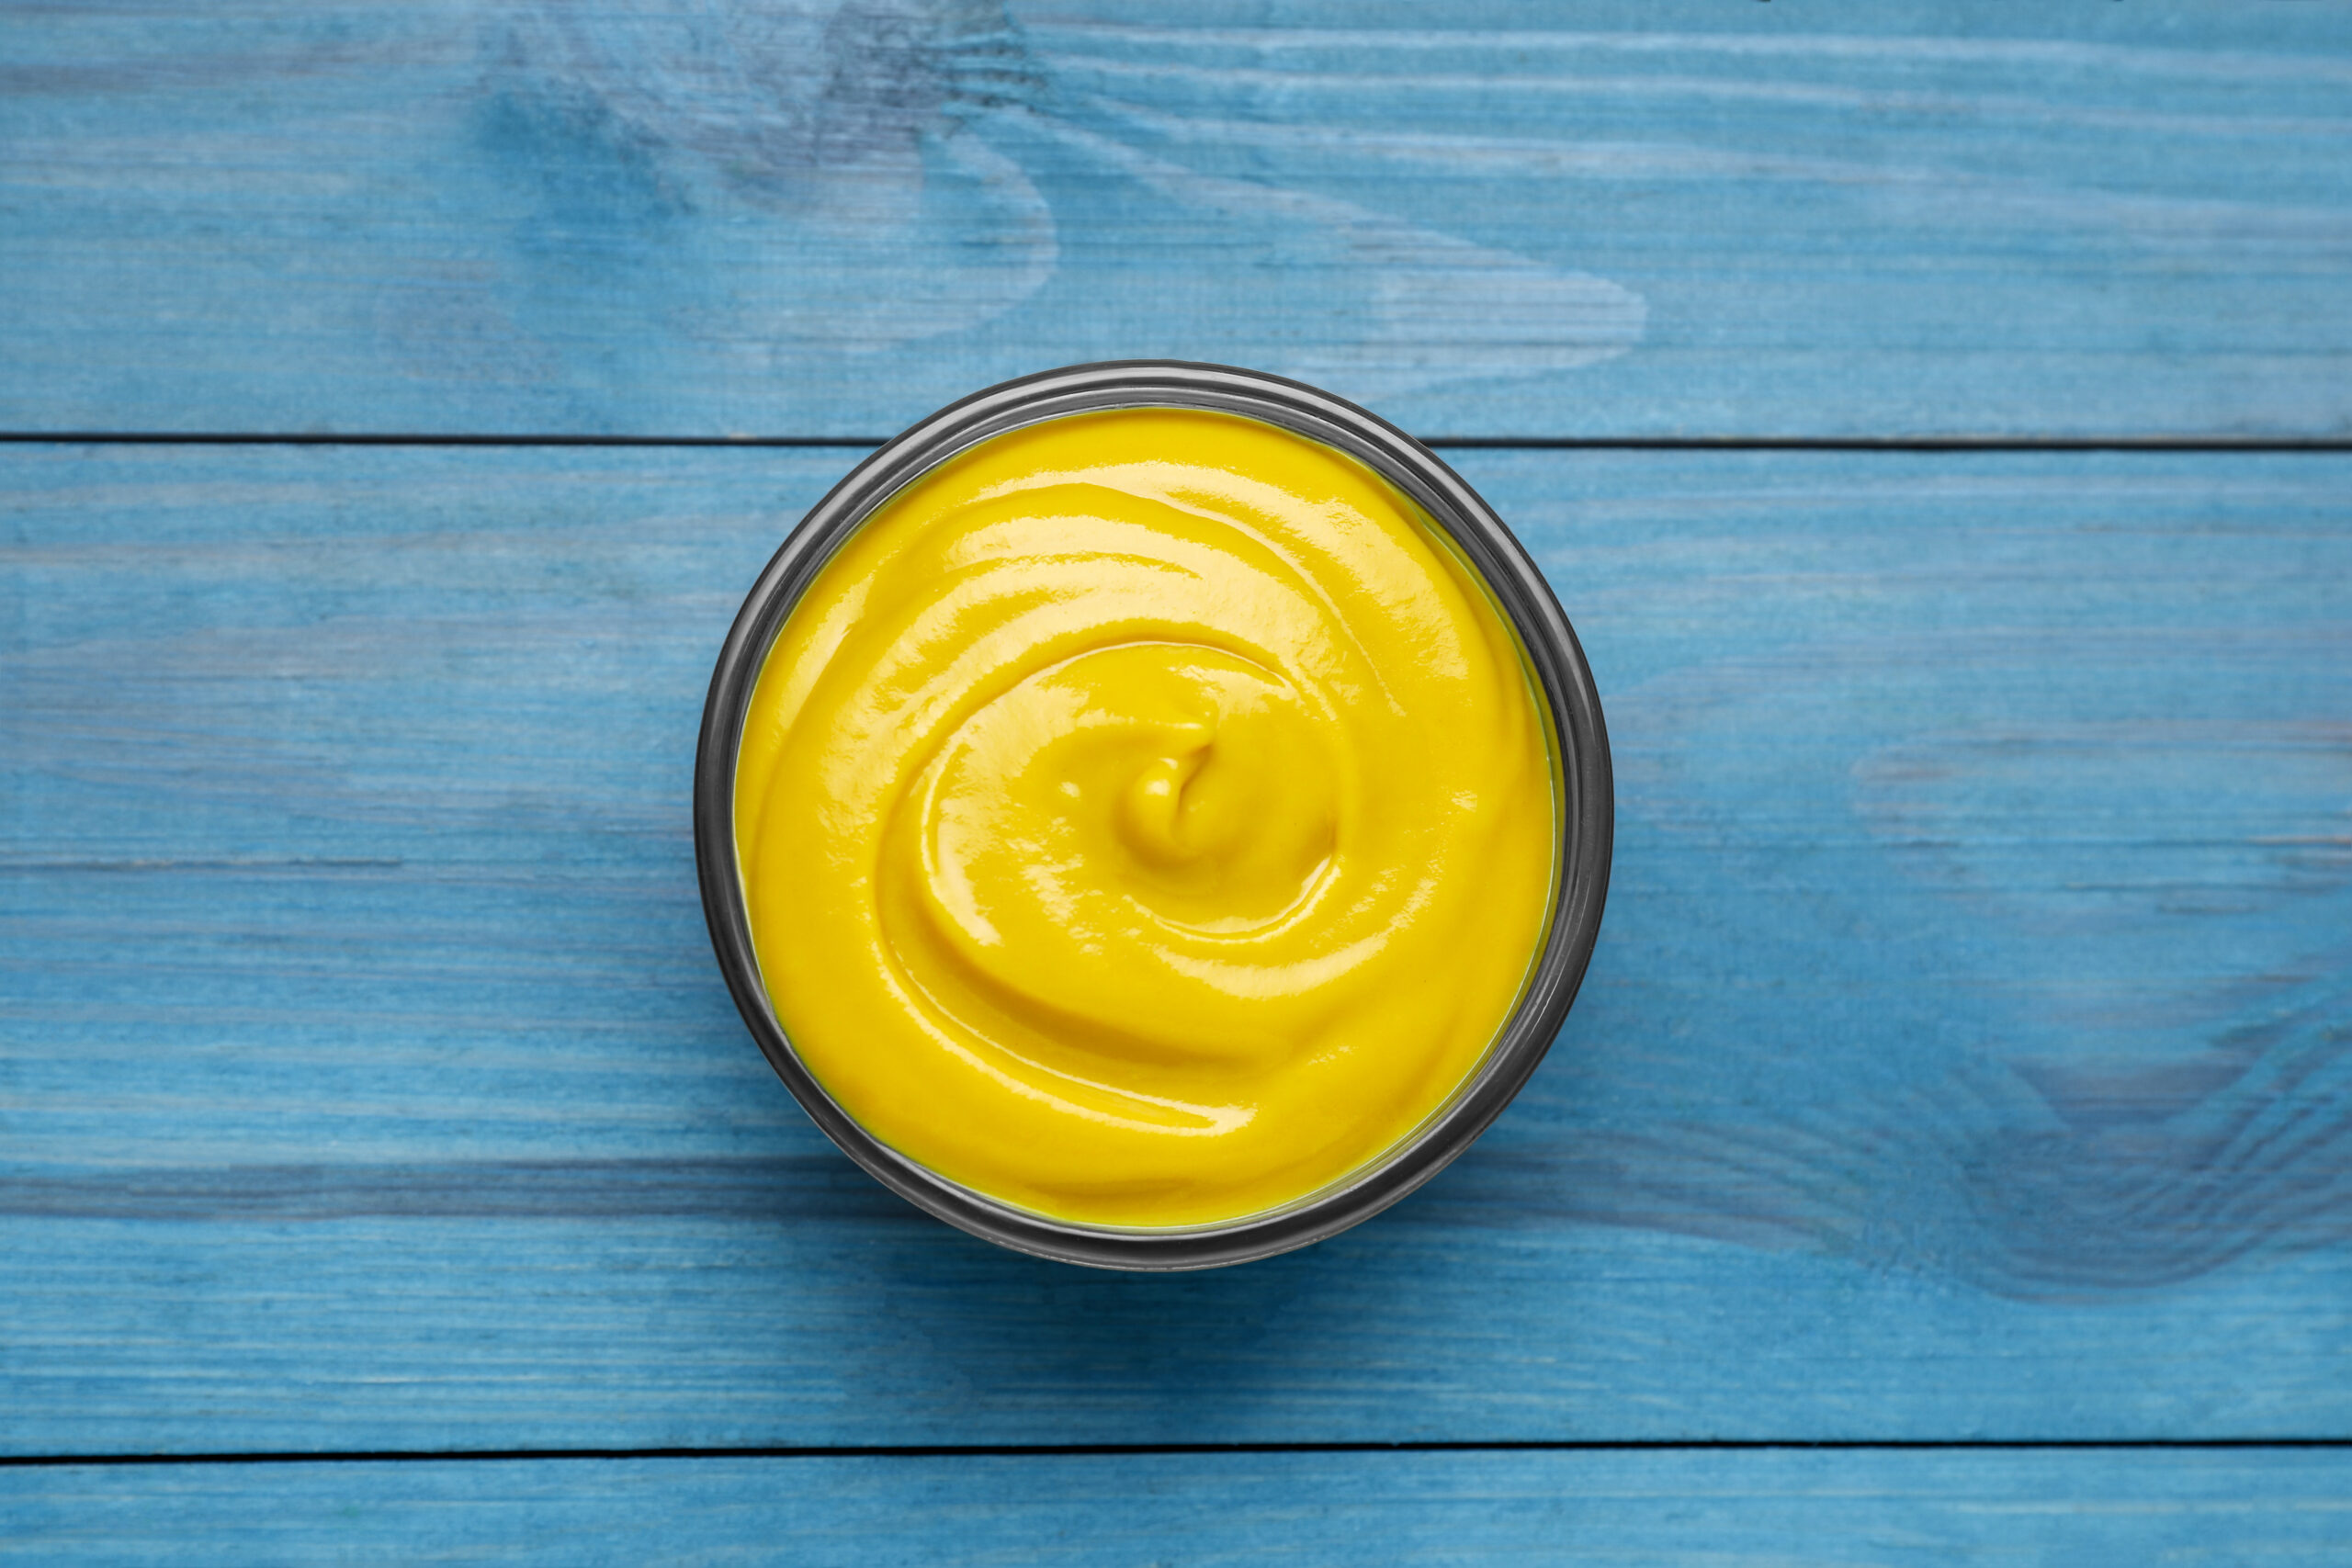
(1077,1451)
(1454,443)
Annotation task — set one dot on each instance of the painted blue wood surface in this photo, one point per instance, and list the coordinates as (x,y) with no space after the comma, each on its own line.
(821,218)
(2088,1509)
(1968,1052)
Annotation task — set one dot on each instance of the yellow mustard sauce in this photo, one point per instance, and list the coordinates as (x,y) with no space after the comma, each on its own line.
(1145,820)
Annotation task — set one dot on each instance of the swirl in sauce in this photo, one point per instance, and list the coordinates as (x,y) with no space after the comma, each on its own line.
(1145,820)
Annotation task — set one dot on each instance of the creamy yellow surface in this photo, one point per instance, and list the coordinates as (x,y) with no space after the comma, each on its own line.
(1144,820)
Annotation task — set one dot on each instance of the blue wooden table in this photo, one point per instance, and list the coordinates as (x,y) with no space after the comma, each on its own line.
(1936,418)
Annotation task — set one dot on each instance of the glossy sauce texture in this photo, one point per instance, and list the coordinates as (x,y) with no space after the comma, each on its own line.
(1145,820)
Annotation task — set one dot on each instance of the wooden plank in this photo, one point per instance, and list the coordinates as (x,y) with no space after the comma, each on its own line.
(1968,1050)
(817,218)
(2086,1509)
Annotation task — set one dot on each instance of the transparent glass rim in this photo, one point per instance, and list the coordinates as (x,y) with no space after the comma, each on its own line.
(1580,871)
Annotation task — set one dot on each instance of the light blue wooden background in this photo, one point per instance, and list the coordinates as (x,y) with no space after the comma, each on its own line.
(1968,1055)
(828,217)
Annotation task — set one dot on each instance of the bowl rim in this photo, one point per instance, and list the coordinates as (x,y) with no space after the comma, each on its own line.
(1580,873)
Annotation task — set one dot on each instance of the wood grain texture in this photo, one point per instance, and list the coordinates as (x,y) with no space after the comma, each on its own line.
(1738,1510)
(827,217)
(1968,1052)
